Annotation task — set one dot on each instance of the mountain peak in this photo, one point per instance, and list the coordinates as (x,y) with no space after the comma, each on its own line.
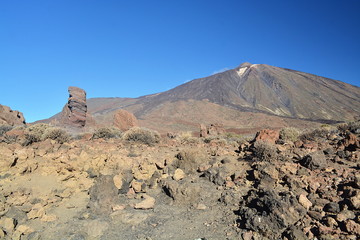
(245,64)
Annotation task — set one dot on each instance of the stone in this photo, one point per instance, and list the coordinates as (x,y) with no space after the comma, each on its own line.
(147,203)
(49,218)
(267,135)
(37,211)
(201,206)
(332,207)
(350,141)
(268,213)
(137,186)
(10,117)
(355,200)
(345,215)
(118,181)
(203,130)
(74,112)
(315,160)
(305,202)
(7,224)
(103,195)
(211,130)
(118,207)
(22,230)
(96,228)
(179,174)
(352,227)
(124,120)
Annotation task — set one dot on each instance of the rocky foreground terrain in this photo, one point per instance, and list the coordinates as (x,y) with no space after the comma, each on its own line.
(140,185)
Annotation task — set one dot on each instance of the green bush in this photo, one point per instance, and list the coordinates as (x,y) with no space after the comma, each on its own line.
(4,129)
(289,134)
(106,133)
(142,135)
(56,134)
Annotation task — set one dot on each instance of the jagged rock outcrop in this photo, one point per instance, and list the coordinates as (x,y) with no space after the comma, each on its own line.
(124,120)
(74,112)
(10,117)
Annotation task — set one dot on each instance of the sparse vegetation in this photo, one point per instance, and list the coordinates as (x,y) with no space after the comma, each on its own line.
(289,134)
(41,131)
(314,134)
(37,131)
(30,139)
(142,135)
(265,151)
(56,134)
(106,133)
(187,138)
(4,129)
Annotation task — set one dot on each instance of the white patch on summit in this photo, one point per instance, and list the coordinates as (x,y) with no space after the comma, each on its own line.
(241,71)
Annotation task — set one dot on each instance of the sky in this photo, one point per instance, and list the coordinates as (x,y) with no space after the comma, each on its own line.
(123,48)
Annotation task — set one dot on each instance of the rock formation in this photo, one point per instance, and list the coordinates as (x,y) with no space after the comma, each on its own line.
(74,112)
(211,130)
(124,120)
(10,117)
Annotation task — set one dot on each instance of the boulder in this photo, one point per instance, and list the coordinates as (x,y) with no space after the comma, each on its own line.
(124,120)
(315,160)
(267,135)
(10,117)
(270,213)
(74,112)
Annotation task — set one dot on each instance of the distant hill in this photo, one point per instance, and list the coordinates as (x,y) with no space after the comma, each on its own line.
(249,96)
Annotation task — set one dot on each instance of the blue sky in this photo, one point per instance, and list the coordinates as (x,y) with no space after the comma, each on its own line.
(118,48)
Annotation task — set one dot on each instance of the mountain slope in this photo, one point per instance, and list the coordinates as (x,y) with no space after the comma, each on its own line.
(249,96)
(267,89)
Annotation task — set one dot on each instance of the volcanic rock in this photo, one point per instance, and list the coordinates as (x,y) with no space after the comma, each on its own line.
(269,213)
(10,117)
(124,120)
(314,160)
(74,112)
(211,130)
(267,135)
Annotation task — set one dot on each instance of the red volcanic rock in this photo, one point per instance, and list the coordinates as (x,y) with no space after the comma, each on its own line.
(74,112)
(124,120)
(10,117)
(351,141)
(267,135)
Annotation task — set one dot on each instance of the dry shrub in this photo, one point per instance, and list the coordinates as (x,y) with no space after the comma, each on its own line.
(187,138)
(56,134)
(106,133)
(142,135)
(265,151)
(4,129)
(36,131)
(353,127)
(289,134)
(315,134)
(42,131)
(190,159)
